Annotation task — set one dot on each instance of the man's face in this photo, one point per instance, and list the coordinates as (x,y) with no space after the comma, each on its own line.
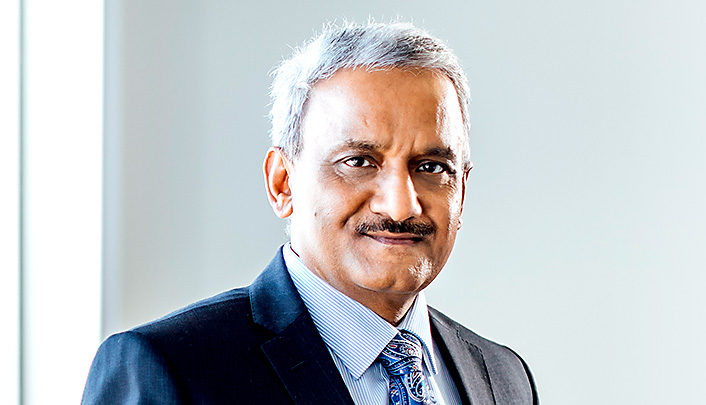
(377,190)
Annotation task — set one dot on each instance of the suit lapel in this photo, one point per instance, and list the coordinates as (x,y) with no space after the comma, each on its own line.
(305,366)
(464,360)
(297,353)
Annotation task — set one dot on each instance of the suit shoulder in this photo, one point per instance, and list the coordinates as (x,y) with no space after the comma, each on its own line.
(231,306)
(126,367)
(508,372)
(484,344)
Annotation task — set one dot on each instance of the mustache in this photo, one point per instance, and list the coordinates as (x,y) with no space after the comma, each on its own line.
(387,225)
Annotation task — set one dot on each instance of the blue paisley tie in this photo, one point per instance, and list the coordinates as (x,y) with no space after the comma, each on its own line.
(402,359)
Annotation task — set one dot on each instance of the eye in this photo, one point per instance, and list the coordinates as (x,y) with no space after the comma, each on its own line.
(357,161)
(433,168)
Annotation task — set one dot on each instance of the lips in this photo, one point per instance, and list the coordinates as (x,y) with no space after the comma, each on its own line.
(395,239)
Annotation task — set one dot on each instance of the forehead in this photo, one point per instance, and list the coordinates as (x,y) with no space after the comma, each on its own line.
(402,109)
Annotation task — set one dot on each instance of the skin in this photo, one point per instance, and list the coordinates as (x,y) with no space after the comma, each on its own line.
(377,146)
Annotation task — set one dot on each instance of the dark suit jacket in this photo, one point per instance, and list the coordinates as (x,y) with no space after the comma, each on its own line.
(258,345)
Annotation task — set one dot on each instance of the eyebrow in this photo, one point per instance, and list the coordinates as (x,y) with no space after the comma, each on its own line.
(367,146)
(445,153)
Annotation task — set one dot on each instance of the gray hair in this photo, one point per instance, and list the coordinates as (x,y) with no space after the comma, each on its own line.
(370,46)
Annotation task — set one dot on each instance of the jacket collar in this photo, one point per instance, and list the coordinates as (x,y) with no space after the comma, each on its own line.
(464,360)
(297,352)
(274,299)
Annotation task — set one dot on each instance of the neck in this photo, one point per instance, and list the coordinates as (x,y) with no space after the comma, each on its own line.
(394,317)
(391,307)
(387,303)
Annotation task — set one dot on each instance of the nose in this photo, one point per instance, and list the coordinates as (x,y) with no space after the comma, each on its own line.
(396,196)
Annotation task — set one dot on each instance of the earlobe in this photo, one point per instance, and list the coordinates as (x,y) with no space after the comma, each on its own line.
(276,169)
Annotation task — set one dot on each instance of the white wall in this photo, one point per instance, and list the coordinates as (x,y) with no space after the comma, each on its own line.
(583,246)
(61,197)
(10,201)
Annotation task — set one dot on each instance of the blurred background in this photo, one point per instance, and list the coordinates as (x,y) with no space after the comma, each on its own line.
(133,134)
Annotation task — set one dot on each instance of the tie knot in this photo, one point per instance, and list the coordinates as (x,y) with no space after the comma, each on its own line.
(403,355)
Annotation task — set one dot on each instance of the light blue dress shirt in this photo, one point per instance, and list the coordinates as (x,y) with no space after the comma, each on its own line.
(355,336)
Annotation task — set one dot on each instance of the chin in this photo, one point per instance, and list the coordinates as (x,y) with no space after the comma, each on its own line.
(402,278)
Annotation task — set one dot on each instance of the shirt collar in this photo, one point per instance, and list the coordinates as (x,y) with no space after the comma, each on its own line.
(352,331)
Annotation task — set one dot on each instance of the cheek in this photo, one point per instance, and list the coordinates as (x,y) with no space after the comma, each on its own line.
(445,207)
(455,206)
(333,204)
(343,193)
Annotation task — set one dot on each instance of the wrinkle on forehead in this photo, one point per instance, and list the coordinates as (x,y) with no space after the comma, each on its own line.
(390,106)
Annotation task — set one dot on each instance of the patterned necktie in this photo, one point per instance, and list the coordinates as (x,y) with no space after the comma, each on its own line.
(402,359)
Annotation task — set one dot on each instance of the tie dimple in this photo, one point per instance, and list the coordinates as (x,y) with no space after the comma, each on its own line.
(402,359)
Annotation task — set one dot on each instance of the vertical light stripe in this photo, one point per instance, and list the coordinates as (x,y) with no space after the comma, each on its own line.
(62,194)
(9,200)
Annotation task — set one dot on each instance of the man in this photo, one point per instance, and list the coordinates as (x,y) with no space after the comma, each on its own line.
(369,163)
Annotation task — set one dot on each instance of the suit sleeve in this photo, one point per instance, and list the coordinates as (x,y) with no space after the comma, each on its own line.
(128,369)
(512,377)
(533,387)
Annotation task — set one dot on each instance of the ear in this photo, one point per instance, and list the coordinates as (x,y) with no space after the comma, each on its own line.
(277,169)
(463,192)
